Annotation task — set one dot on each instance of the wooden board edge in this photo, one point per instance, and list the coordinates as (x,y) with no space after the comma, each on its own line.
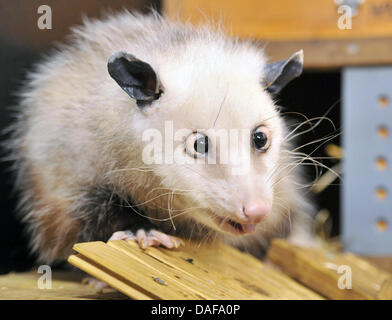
(333,54)
(106,276)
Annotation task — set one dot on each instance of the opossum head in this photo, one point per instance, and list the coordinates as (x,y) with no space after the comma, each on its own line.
(211,131)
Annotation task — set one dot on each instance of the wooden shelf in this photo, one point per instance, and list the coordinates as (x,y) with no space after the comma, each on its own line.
(286,26)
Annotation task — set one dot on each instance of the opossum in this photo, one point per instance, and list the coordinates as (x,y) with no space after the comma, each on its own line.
(80,141)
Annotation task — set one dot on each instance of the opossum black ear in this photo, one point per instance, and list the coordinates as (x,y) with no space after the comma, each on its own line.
(135,77)
(278,74)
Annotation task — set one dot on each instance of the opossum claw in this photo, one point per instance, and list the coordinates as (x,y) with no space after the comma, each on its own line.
(145,239)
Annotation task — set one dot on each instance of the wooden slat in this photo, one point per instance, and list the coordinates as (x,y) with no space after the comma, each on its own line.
(201,287)
(276,283)
(106,276)
(145,279)
(317,269)
(227,264)
(192,272)
(65,285)
(383,262)
(190,263)
(286,19)
(330,54)
(286,26)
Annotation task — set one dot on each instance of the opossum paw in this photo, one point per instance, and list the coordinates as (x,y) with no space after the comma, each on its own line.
(151,238)
(96,284)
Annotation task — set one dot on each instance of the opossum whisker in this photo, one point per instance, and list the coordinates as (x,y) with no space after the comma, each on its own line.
(305,157)
(290,135)
(147,201)
(143,215)
(206,236)
(177,190)
(294,112)
(323,140)
(317,158)
(320,119)
(277,166)
(182,211)
(169,205)
(220,107)
(140,169)
(317,140)
(308,157)
(302,155)
(316,164)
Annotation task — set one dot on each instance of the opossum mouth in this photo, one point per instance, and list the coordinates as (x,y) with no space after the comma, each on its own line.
(234,227)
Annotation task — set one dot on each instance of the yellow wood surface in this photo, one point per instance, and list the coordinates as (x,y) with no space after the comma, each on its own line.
(286,26)
(189,272)
(205,272)
(65,285)
(329,54)
(319,270)
(286,19)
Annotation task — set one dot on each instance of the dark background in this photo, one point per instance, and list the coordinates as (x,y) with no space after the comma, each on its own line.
(21,45)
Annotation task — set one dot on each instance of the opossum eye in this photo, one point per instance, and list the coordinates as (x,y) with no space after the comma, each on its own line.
(261,138)
(196,145)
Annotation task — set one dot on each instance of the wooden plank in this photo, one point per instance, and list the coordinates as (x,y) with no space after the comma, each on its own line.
(65,285)
(286,19)
(228,264)
(330,54)
(276,283)
(384,263)
(318,269)
(107,276)
(206,272)
(191,263)
(288,26)
(201,287)
(145,279)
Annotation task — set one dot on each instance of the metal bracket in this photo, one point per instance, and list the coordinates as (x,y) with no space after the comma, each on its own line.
(367,172)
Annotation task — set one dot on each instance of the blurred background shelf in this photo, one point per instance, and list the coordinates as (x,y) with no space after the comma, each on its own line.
(285,26)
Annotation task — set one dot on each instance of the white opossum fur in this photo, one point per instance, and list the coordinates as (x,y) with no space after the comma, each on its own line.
(78,138)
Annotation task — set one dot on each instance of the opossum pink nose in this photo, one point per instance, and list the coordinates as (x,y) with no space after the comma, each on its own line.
(254,212)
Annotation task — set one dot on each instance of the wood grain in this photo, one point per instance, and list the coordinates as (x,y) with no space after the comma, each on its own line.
(190,272)
(333,54)
(286,19)
(205,272)
(318,269)
(66,285)
(284,27)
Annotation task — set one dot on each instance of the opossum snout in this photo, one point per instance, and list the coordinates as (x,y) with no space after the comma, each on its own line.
(253,212)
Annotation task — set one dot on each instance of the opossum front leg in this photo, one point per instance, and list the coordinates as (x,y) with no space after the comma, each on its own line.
(111,217)
(150,238)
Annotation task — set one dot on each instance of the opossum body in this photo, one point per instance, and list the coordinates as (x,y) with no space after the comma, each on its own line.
(79,144)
